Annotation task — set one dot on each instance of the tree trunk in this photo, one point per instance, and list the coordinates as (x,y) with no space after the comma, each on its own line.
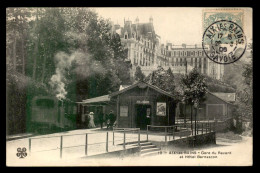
(196,110)
(191,119)
(35,53)
(23,64)
(185,115)
(14,53)
(44,66)
(35,58)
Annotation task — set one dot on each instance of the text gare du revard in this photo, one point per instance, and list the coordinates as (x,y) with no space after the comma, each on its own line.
(195,154)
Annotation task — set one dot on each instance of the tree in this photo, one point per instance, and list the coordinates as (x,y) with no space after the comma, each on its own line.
(244,103)
(194,91)
(163,79)
(139,76)
(73,46)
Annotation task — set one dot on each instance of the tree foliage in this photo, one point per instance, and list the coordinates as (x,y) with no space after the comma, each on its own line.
(139,75)
(66,52)
(194,88)
(94,56)
(162,79)
(244,101)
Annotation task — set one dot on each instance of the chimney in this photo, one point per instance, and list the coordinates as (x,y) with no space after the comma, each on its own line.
(151,19)
(137,20)
(169,46)
(184,45)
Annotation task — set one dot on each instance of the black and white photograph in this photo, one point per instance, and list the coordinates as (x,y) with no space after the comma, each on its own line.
(129,86)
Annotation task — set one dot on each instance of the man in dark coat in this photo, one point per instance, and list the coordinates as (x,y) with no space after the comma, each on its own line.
(101,119)
(111,119)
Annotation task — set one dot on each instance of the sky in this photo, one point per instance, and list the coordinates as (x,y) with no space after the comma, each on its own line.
(175,25)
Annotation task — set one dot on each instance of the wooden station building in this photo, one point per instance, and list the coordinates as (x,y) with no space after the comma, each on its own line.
(135,106)
(142,104)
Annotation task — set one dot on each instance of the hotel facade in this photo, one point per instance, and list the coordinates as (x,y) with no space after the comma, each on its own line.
(145,50)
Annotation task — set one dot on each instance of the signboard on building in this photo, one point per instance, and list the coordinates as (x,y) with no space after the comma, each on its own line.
(123,111)
(161,109)
(142,102)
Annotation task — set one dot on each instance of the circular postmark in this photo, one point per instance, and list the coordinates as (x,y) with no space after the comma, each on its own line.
(224,42)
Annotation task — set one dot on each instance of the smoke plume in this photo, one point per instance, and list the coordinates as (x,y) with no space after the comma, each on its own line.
(84,67)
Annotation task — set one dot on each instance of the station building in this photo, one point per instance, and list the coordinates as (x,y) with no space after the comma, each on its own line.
(142,104)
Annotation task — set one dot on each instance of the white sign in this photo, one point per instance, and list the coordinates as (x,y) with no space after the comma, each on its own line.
(161,109)
(142,102)
(123,111)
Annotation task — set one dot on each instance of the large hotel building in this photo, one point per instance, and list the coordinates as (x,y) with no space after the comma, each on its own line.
(146,51)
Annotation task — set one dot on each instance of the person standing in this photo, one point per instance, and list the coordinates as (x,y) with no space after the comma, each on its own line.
(111,119)
(101,119)
(91,120)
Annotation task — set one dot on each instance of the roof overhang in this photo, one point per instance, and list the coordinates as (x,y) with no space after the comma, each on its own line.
(141,85)
(220,98)
(97,101)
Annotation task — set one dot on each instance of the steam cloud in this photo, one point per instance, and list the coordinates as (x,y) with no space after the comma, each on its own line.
(84,68)
(58,80)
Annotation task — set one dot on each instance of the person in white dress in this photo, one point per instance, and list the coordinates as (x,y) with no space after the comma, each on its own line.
(91,120)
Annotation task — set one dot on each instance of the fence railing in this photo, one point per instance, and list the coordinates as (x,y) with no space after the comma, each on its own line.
(124,131)
(181,129)
(86,138)
(121,137)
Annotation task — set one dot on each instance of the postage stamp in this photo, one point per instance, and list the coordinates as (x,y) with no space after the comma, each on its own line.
(210,16)
(223,41)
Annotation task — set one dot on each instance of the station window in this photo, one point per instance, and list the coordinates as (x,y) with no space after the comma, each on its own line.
(45,103)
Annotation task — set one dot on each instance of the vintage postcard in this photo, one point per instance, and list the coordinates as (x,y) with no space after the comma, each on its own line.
(129,86)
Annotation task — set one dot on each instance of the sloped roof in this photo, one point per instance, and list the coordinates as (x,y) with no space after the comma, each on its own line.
(229,97)
(123,87)
(143,28)
(138,84)
(104,98)
(219,97)
(140,29)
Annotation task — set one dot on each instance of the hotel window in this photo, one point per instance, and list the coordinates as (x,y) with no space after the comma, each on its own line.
(191,62)
(188,53)
(181,61)
(195,62)
(205,65)
(200,64)
(177,63)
